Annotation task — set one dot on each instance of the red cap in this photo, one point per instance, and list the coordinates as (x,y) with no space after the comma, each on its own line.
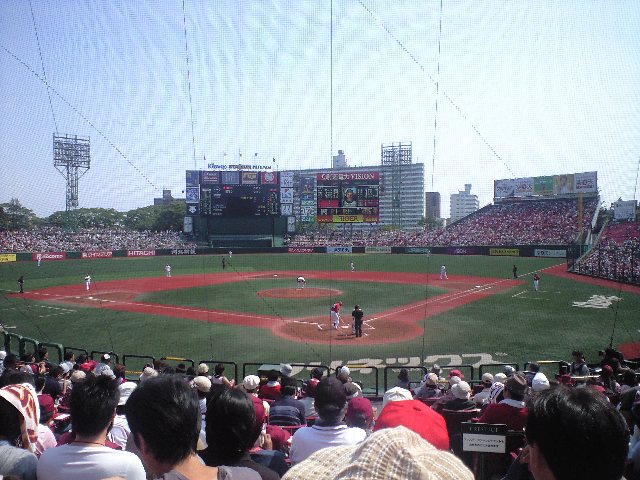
(46,402)
(416,416)
(258,406)
(456,373)
(360,407)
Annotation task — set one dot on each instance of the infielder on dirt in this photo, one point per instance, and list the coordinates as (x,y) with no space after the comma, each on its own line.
(335,315)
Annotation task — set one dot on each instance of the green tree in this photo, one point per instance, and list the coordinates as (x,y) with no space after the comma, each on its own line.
(16,217)
(157,217)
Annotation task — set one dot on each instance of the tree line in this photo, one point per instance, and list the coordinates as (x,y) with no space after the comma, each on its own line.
(14,216)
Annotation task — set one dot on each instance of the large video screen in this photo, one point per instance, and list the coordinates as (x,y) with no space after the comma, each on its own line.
(348,197)
(232,194)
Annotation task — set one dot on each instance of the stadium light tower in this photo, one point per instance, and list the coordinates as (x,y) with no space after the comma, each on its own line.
(71,155)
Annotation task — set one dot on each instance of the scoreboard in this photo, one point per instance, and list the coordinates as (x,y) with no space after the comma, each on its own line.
(232,193)
(348,197)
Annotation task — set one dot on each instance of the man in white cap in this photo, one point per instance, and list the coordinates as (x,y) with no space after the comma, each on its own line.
(120,431)
(482,396)
(105,361)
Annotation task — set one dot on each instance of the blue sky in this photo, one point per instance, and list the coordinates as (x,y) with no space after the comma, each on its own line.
(526,88)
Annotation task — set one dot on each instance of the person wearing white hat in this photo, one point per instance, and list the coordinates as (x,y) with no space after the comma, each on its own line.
(482,396)
(120,431)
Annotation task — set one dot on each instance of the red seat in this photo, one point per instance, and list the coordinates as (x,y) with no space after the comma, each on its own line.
(453,419)
(486,465)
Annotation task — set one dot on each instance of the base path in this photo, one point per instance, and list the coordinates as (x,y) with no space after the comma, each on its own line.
(393,325)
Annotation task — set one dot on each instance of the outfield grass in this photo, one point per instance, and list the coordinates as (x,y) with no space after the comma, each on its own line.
(512,326)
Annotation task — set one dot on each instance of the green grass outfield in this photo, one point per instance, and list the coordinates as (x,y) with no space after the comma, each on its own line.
(513,326)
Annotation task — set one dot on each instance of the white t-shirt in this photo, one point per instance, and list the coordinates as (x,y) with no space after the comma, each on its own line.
(87,462)
(120,431)
(308,440)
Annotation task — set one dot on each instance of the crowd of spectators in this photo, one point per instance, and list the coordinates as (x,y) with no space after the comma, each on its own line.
(541,222)
(174,423)
(617,254)
(55,239)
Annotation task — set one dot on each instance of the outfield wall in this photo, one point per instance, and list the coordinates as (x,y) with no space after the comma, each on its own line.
(543,251)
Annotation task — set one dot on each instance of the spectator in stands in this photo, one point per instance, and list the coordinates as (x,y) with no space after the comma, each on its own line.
(3,355)
(286,370)
(579,365)
(93,406)
(164,418)
(416,416)
(203,370)
(540,383)
(351,389)
(202,386)
(271,389)
(391,453)
(287,410)
(328,429)
(429,387)
(403,379)
(512,410)
(633,468)
(482,397)
(69,360)
(120,431)
(396,394)
(461,391)
(18,424)
(218,377)
(251,385)
(232,431)
(105,362)
(575,434)
(147,373)
(53,382)
(360,414)
(308,396)
(439,404)
(46,438)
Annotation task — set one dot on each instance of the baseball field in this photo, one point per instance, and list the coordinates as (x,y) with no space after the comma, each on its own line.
(252,310)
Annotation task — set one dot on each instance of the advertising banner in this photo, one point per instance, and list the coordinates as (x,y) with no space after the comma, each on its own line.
(543,252)
(188,225)
(563,184)
(543,186)
(286,179)
(523,187)
(504,188)
(586,182)
(49,256)
(286,195)
(141,253)
(192,194)
(422,250)
(624,210)
(269,178)
(300,250)
(339,250)
(250,178)
(461,251)
(193,178)
(382,249)
(210,177)
(183,251)
(101,254)
(286,209)
(7,257)
(505,252)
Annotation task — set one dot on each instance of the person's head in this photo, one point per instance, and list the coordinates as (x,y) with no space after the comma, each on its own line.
(93,404)
(42,353)
(105,358)
(359,413)
(487,380)
(273,375)
(357,307)
(330,400)
(251,383)
(231,427)
(219,369)
(164,416)
(119,370)
(69,356)
(575,434)
(516,386)
(202,369)
(348,195)
(10,361)
(578,355)
(403,375)
(288,386)
(317,373)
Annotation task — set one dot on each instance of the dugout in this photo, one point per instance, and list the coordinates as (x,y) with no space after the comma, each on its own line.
(255,231)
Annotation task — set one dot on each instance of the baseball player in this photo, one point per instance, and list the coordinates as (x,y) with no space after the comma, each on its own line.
(167,269)
(443,273)
(335,315)
(352,267)
(536,280)
(87,281)
(301,282)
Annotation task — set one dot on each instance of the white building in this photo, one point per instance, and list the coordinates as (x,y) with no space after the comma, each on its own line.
(463,203)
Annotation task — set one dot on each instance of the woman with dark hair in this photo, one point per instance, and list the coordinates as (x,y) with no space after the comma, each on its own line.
(403,379)
(219,378)
(231,431)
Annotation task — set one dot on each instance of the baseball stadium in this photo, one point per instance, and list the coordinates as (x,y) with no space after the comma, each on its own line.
(283,252)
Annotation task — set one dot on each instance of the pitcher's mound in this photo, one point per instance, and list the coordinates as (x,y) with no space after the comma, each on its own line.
(308,292)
